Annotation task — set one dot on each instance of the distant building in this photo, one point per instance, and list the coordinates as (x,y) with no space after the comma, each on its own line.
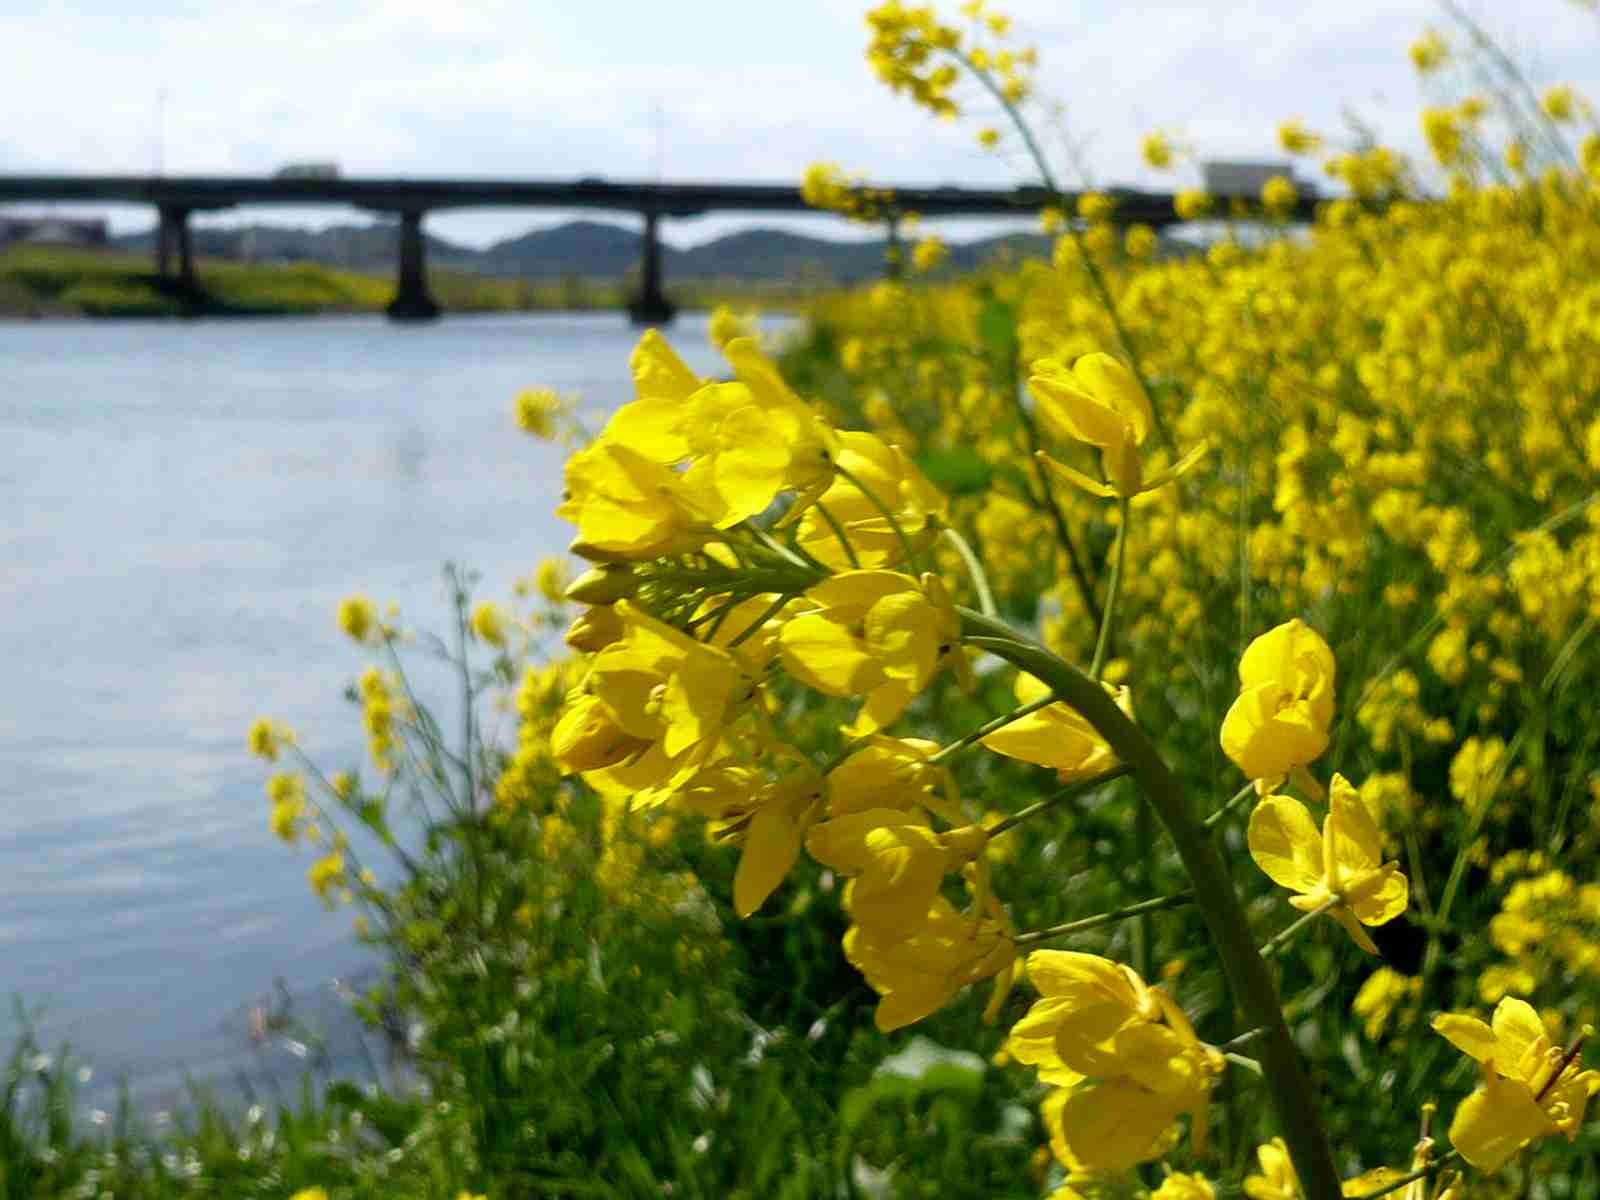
(53,231)
(1244,180)
(307,170)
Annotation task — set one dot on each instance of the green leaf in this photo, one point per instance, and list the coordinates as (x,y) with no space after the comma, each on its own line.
(959,472)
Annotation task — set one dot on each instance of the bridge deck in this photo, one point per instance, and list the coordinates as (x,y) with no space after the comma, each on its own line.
(197,193)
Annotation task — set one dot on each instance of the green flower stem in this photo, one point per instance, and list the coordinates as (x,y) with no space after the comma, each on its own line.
(989,726)
(1284,936)
(980,580)
(777,547)
(1080,577)
(1081,787)
(1404,1180)
(1243,1040)
(1144,840)
(883,509)
(1159,904)
(1102,645)
(772,610)
(1239,798)
(1239,1060)
(838,532)
(715,616)
(1248,977)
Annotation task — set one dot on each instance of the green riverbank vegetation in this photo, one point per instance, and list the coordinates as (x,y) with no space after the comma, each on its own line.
(57,281)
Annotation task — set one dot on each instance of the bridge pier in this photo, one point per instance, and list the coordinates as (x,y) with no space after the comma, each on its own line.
(894,253)
(411,299)
(651,306)
(172,238)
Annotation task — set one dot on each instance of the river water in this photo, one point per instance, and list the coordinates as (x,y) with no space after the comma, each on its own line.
(182,506)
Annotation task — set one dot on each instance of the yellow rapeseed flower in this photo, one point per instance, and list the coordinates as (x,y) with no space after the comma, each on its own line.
(878,634)
(929,254)
(1530,1088)
(668,696)
(918,970)
(552,578)
(357,617)
(1192,204)
(1429,52)
(1156,150)
(1559,103)
(489,624)
(897,861)
(1295,138)
(265,738)
(1278,196)
(1098,1020)
(1056,736)
(1178,1186)
(1341,866)
(1280,720)
(1277,1180)
(1101,402)
(768,820)
(537,410)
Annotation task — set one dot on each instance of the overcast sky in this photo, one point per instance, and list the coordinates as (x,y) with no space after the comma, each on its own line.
(745,91)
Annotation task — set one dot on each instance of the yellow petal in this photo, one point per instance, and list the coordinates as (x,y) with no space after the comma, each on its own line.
(1467,1034)
(1114,385)
(1520,1040)
(749,470)
(658,371)
(1352,837)
(1033,1041)
(1071,410)
(1158,1058)
(1353,927)
(1285,844)
(885,703)
(900,631)
(1496,1121)
(1076,478)
(860,590)
(1265,739)
(822,654)
(1115,1125)
(1281,651)
(1178,469)
(771,846)
(652,427)
(842,843)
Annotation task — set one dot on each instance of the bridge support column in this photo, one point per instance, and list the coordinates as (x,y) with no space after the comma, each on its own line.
(172,238)
(894,252)
(651,306)
(411,300)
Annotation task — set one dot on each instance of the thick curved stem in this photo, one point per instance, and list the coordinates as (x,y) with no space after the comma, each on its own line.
(1246,971)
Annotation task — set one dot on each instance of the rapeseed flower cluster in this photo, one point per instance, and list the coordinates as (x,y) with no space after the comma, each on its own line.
(1320,509)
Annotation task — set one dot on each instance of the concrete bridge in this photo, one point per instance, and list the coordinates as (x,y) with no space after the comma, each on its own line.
(175,198)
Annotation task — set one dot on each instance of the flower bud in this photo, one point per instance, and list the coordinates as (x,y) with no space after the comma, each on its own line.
(595,628)
(604,584)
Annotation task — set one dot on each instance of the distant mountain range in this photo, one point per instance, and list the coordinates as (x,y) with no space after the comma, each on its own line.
(587,250)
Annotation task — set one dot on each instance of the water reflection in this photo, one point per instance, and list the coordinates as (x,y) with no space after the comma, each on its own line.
(186,505)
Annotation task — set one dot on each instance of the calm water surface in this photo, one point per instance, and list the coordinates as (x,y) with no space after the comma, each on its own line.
(184,504)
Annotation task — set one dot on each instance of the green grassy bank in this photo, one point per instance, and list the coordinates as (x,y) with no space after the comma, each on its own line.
(51,281)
